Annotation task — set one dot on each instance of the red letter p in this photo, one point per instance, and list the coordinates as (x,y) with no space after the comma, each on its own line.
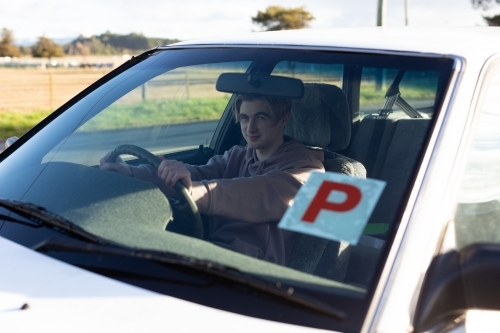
(320,202)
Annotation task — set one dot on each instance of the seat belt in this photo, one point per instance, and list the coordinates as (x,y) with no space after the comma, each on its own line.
(393,96)
(374,146)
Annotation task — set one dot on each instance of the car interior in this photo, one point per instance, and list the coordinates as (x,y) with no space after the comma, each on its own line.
(369,114)
(385,145)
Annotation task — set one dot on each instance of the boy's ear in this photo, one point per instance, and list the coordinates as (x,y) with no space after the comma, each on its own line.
(284,120)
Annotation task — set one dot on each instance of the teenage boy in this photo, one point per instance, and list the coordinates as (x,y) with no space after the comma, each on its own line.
(247,190)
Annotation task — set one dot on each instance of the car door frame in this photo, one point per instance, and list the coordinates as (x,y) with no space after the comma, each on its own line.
(431,203)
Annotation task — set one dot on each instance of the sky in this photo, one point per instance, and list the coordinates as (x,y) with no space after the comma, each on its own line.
(192,19)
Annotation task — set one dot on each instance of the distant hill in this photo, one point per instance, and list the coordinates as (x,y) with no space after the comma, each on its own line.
(109,44)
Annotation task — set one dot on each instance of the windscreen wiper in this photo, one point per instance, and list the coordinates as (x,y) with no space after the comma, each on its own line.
(213,268)
(40,216)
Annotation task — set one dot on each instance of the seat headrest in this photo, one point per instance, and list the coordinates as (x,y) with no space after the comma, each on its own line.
(321,118)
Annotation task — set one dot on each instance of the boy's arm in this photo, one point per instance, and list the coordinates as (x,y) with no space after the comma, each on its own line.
(262,198)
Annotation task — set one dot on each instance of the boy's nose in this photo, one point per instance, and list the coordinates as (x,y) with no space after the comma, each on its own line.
(251,126)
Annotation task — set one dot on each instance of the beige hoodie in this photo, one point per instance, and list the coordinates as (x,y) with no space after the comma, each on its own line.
(246,197)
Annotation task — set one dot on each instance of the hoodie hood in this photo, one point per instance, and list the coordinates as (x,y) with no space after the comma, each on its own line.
(289,152)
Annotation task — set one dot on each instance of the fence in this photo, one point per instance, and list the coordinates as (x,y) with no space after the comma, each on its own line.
(69,62)
(29,84)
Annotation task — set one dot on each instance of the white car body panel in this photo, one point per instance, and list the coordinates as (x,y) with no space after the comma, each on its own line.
(415,252)
(433,208)
(477,42)
(65,298)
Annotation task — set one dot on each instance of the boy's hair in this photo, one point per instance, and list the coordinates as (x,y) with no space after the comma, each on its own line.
(279,106)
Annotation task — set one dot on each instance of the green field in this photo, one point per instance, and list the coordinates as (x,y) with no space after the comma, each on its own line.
(150,113)
(17,124)
(369,95)
(119,116)
(167,111)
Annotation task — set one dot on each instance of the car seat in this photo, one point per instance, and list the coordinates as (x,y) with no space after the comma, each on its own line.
(321,120)
(389,148)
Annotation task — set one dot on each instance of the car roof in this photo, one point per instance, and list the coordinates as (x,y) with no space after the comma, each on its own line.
(468,42)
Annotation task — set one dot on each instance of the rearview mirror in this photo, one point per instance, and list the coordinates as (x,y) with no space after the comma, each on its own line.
(258,84)
(456,282)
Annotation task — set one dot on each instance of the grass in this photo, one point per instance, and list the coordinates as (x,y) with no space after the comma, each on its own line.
(168,111)
(27,95)
(150,113)
(369,94)
(17,124)
(142,114)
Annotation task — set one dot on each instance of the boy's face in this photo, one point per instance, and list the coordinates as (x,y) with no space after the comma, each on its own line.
(258,127)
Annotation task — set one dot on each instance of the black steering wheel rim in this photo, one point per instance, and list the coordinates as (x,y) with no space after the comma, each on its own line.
(184,195)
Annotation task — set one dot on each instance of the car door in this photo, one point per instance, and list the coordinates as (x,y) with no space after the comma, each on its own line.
(452,297)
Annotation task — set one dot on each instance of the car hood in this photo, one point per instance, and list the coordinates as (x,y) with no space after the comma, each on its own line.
(67,298)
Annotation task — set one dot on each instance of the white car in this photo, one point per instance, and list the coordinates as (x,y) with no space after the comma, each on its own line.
(408,118)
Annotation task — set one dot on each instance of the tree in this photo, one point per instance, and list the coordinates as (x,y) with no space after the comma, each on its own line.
(484,4)
(493,21)
(25,50)
(279,18)
(47,48)
(7,47)
(109,43)
(487,4)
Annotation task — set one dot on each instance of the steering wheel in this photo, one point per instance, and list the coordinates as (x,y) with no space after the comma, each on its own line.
(186,203)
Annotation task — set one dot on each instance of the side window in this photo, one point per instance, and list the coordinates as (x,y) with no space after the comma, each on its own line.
(175,111)
(417,88)
(477,215)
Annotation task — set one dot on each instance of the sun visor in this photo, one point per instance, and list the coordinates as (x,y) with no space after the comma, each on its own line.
(257,84)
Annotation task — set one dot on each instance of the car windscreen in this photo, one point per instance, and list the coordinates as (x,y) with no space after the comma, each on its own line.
(363,120)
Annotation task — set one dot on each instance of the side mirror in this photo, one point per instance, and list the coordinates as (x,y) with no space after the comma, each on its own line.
(456,282)
(10,141)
